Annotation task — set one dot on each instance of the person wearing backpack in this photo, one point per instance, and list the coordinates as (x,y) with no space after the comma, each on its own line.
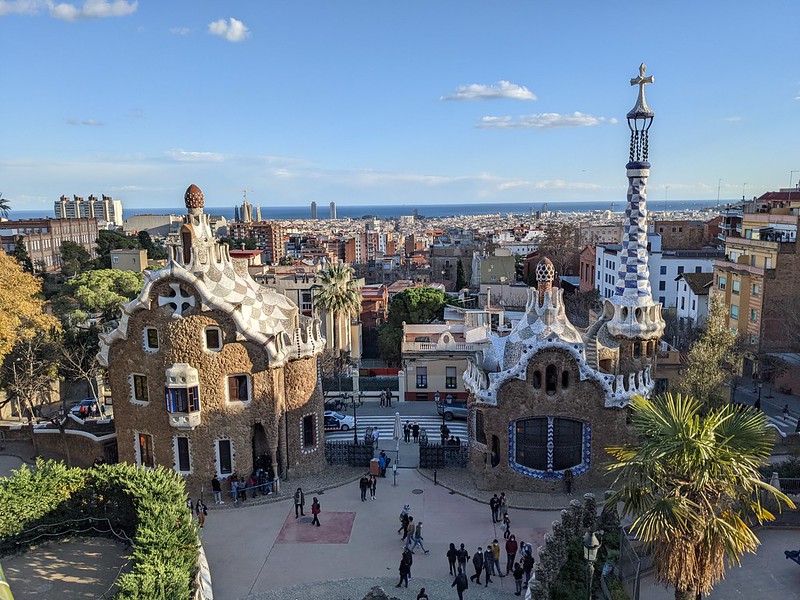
(460,583)
(315,509)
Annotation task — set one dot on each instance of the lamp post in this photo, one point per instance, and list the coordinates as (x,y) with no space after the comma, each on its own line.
(590,547)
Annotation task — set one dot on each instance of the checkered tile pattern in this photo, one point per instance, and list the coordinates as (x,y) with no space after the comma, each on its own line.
(633,279)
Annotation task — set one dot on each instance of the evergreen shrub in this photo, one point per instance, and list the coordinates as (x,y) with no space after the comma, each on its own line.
(149,506)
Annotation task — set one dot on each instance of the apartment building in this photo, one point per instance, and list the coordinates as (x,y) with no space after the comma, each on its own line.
(43,238)
(105,209)
(269,237)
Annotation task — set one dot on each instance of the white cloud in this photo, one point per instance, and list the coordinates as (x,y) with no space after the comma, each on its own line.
(501,89)
(180,31)
(20,7)
(543,121)
(189,156)
(92,9)
(87,122)
(732,119)
(232,30)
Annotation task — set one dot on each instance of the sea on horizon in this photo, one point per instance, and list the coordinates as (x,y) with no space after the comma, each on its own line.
(389,211)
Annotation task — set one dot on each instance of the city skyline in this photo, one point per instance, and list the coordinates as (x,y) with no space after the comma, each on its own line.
(364,103)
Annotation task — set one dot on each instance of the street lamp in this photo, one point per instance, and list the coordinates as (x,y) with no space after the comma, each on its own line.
(590,547)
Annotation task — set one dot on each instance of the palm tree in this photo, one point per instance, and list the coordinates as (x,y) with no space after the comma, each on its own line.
(337,293)
(5,207)
(693,487)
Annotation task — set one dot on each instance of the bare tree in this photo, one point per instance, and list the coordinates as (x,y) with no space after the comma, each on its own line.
(558,244)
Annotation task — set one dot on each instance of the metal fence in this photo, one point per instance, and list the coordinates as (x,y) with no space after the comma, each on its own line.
(348,453)
(629,568)
(436,456)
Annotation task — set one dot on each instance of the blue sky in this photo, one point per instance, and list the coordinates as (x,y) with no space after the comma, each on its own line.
(416,102)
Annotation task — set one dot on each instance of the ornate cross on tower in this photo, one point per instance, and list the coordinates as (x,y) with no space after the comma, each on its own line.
(641,81)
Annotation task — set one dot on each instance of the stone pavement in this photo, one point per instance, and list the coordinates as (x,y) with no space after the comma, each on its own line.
(259,549)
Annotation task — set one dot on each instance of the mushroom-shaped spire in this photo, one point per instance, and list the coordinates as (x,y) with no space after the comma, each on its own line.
(545,273)
(194,198)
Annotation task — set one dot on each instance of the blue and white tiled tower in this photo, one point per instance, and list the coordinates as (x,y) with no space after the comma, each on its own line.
(636,317)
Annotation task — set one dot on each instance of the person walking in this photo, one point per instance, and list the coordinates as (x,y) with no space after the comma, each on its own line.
(299,503)
(407,432)
(216,489)
(452,556)
(418,538)
(362,485)
(503,502)
(496,558)
(511,552)
(190,506)
(518,573)
(422,595)
(506,526)
(415,432)
(383,398)
(389,397)
(403,520)
(315,509)
(408,534)
(488,564)
(462,556)
(409,559)
(494,505)
(373,486)
(568,481)
(405,569)
(234,490)
(477,564)
(460,583)
(382,463)
(202,511)
(786,412)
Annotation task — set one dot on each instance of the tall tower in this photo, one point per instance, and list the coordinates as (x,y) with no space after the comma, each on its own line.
(313,210)
(333,210)
(634,319)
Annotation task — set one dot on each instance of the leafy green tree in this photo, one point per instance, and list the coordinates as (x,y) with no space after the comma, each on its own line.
(338,294)
(74,258)
(461,280)
(21,254)
(234,244)
(693,487)
(413,305)
(99,291)
(109,240)
(285,260)
(712,359)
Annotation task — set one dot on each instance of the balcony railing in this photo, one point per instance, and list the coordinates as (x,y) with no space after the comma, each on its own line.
(433,347)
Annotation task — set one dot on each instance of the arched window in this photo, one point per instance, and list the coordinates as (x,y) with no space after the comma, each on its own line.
(550,379)
(637,349)
(565,379)
(537,379)
(186,241)
(495,451)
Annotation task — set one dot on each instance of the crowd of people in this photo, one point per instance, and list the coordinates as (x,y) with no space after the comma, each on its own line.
(486,562)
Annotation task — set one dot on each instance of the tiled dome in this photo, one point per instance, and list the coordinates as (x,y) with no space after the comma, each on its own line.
(193,197)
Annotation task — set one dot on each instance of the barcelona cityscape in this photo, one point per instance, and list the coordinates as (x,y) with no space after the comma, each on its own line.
(307,301)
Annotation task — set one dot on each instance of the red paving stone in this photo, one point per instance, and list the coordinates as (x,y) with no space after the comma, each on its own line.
(335,528)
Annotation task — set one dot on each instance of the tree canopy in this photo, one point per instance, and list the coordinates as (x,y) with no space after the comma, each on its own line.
(413,305)
(693,487)
(74,258)
(21,308)
(338,294)
(712,358)
(98,291)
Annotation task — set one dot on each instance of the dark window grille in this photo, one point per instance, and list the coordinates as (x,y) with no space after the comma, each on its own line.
(183,454)
(238,388)
(225,462)
(146,450)
(550,379)
(308,431)
(140,388)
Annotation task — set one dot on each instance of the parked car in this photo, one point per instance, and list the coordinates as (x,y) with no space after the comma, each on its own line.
(334,421)
(87,402)
(456,409)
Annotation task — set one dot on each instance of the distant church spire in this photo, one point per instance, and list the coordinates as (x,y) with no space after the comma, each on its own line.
(635,313)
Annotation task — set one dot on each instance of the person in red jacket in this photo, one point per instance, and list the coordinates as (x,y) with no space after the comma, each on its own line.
(511,551)
(315,508)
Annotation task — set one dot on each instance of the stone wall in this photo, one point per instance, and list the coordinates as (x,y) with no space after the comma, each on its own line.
(581,400)
(83,450)
(182,340)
